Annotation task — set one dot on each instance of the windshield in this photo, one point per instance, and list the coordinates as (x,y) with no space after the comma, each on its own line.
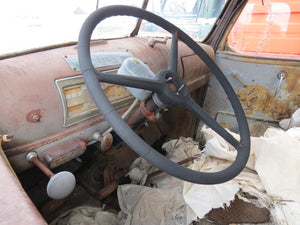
(34,24)
(195,17)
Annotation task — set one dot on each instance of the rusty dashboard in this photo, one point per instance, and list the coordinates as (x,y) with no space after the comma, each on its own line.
(45,103)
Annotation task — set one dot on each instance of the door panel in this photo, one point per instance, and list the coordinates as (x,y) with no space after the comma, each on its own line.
(256,81)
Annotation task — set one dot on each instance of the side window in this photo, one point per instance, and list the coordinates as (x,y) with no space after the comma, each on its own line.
(267,28)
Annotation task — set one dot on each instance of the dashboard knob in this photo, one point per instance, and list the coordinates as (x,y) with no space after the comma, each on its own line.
(60,185)
(106,140)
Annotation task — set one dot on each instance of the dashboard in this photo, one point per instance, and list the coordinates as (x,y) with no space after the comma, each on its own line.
(45,104)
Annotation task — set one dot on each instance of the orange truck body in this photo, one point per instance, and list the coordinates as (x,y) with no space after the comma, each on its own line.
(268,27)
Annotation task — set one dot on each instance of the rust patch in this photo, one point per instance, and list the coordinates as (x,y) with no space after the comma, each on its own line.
(258,99)
(225,124)
(115,92)
(62,153)
(292,80)
(34,116)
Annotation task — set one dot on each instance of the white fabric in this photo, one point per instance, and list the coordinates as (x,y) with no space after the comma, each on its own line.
(163,204)
(202,198)
(145,205)
(272,175)
(276,159)
(177,150)
(294,121)
(278,165)
(86,215)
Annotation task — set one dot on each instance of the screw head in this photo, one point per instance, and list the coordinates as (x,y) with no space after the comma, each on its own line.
(281,75)
(36,117)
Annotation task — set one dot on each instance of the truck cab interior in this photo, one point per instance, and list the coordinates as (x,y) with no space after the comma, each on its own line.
(89,87)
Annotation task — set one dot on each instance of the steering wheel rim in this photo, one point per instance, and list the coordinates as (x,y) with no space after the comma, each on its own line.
(92,78)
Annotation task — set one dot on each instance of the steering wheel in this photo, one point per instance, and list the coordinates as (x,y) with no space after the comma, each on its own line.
(164,94)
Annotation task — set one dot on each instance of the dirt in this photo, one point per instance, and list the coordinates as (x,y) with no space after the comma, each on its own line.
(257,129)
(238,212)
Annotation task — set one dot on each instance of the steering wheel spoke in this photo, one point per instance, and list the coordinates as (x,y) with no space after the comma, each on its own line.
(173,58)
(129,81)
(192,106)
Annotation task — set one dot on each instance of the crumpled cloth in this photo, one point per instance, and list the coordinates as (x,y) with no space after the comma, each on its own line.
(272,174)
(177,150)
(294,121)
(145,205)
(86,215)
(163,204)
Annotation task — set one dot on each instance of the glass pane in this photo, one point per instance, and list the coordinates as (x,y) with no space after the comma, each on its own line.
(267,28)
(195,17)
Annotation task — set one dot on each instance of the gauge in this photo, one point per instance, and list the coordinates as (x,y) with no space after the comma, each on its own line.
(78,105)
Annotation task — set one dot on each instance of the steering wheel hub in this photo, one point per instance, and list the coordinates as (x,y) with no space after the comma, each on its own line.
(174,90)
